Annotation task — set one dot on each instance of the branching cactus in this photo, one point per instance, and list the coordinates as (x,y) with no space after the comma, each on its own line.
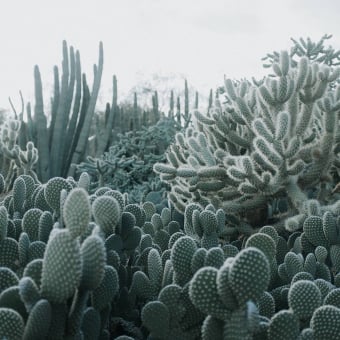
(14,160)
(270,139)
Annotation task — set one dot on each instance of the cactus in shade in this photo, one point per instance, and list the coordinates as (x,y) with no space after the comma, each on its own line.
(284,325)
(90,325)
(9,253)
(325,323)
(38,322)
(93,262)
(155,316)
(29,292)
(11,324)
(10,298)
(293,264)
(212,328)
(148,286)
(271,138)
(8,278)
(3,223)
(45,226)
(106,291)
(127,236)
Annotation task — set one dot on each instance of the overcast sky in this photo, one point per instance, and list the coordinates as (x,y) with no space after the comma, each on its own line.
(202,39)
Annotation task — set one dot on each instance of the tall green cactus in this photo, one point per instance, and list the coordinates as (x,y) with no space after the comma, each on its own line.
(64,140)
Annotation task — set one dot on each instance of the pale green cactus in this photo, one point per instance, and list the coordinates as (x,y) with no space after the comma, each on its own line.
(181,257)
(77,211)
(304,298)
(52,192)
(61,271)
(249,275)
(30,223)
(107,213)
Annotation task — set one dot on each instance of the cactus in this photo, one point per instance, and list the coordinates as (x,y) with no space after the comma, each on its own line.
(107,213)
(304,298)
(93,262)
(155,316)
(61,271)
(30,223)
(39,320)
(108,288)
(11,324)
(181,255)
(259,142)
(77,211)
(53,190)
(284,325)
(29,292)
(325,323)
(245,280)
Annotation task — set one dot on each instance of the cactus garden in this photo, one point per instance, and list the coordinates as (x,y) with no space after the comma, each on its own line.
(212,220)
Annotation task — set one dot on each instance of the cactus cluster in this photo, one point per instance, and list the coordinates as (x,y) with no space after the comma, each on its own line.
(82,261)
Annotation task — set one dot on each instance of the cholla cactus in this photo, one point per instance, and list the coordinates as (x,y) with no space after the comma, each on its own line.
(14,160)
(270,139)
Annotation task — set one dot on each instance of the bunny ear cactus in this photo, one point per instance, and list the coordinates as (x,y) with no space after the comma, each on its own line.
(325,323)
(38,322)
(181,256)
(3,223)
(93,262)
(108,288)
(62,267)
(30,223)
(77,211)
(11,324)
(304,298)
(284,325)
(53,190)
(107,213)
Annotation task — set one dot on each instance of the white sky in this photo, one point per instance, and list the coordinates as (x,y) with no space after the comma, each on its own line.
(203,39)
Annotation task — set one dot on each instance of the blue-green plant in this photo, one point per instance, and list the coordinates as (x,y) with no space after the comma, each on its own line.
(269,139)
